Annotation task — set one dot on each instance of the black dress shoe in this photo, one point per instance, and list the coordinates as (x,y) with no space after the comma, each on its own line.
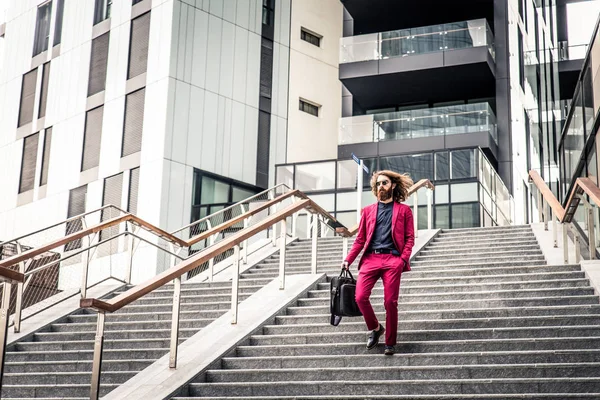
(389,350)
(374,337)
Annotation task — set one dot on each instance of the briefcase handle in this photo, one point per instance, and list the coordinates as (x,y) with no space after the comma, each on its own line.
(346,273)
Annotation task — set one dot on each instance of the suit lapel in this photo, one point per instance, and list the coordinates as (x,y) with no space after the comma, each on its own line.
(395,216)
(372,223)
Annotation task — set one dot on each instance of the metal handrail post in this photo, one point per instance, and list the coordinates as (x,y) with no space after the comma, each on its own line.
(540,206)
(554,232)
(294,224)
(565,240)
(313,262)
(429,209)
(577,246)
(416,213)
(345,247)
(85,267)
(282,239)
(4,326)
(211,262)
(97,360)
(235,284)
(19,299)
(130,250)
(175,322)
(591,233)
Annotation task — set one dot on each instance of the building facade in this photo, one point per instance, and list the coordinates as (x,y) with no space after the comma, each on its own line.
(447,93)
(169,109)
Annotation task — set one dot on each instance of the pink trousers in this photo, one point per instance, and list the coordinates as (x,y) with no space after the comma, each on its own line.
(389,268)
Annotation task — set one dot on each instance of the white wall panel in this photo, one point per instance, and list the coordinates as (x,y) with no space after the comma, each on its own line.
(250,145)
(200,48)
(240,64)
(226,64)
(242,18)
(213,67)
(238,130)
(182,40)
(253,72)
(216,8)
(223,162)
(195,127)
(229,10)
(211,107)
(112,137)
(180,122)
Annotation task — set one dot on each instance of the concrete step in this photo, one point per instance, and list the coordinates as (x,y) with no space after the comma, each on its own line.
(475,237)
(402,373)
(149,316)
(485,231)
(121,344)
(454,272)
(65,378)
(66,391)
(481,244)
(396,387)
(85,355)
(430,335)
(475,295)
(120,334)
(186,292)
(428,251)
(539,258)
(207,300)
(410,282)
(352,325)
(127,325)
(429,303)
(375,360)
(480,255)
(69,366)
(448,313)
(421,266)
(349,347)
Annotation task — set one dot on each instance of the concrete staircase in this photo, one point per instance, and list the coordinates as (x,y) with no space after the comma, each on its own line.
(481,317)
(56,362)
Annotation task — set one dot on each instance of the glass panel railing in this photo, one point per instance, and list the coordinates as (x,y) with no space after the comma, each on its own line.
(428,122)
(422,40)
(495,196)
(571,52)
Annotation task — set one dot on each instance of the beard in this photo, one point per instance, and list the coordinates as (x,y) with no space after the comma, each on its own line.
(384,195)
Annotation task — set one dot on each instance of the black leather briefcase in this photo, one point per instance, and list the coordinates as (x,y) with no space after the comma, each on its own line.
(342,297)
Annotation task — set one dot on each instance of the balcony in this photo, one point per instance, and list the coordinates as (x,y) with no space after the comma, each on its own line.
(419,130)
(396,67)
(570,63)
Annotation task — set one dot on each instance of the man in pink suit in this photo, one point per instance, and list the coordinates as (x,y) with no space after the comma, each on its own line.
(386,237)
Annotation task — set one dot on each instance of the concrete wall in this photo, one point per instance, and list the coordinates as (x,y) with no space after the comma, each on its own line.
(314,77)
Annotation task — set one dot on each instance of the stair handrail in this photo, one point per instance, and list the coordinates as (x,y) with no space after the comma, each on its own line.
(176,272)
(271,191)
(564,215)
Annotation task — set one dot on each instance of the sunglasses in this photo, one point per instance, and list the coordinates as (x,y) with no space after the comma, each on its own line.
(382,183)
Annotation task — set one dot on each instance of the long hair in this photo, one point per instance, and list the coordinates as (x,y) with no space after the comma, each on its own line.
(402,181)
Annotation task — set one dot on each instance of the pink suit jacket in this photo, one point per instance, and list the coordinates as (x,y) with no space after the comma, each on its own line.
(403,233)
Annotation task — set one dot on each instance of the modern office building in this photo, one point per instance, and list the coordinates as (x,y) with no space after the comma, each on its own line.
(467,96)
(171,109)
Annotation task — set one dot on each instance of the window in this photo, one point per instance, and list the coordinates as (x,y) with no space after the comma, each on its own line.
(98,62)
(44,93)
(263,148)
(465,215)
(77,199)
(309,108)
(42,29)
(135,2)
(521,56)
(134,122)
(46,156)
(268,15)
(138,46)
(27,97)
(60,7)
(134,184)
(102,10)
(92,138)
(442,166)
(310,37)
(111,195)
(28,163)
(212,193)
(463,164)
(266,68)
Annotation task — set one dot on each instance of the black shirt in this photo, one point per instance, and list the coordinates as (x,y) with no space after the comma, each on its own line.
(382,237)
